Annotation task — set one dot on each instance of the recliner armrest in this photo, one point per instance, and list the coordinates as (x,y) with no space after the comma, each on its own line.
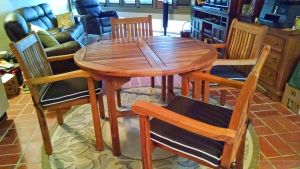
(108,14)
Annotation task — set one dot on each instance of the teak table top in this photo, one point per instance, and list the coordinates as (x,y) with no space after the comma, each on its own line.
(148,56)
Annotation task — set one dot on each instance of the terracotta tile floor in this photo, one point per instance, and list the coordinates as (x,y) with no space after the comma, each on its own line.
(277,128)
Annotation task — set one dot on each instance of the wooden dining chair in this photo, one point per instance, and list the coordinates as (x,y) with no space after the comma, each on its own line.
(135,27)
(239,53)
(56,92)
(208,134)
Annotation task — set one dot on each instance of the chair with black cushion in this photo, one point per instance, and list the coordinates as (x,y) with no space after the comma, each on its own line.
(208,134)
(240,52)
(96,21)
(135,27)
(56,91)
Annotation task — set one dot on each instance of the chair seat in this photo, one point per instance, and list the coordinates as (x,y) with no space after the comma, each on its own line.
(227,72)
(181,140)
(65,90)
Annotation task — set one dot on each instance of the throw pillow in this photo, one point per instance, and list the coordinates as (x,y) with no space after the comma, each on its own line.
(65,20)
(47,39)
(35,28)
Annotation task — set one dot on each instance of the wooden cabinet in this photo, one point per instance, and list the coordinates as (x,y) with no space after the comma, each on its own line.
(284,55)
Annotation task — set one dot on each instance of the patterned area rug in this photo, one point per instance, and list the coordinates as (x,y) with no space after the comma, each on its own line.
(74,142)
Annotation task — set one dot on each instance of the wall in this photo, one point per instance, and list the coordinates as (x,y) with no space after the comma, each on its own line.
(58,6)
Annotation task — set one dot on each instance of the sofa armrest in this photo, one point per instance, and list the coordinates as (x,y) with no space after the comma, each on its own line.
(108,14)
(62,49)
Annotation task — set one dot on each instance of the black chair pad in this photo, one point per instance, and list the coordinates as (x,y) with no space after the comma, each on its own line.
(189,143)
(67,90)
(227,72)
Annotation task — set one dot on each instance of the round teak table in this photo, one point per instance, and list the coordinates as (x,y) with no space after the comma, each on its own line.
(116,61)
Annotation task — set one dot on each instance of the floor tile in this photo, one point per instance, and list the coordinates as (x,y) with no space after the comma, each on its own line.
(274,125)
(257,123)
(280,145)
(11,149)
(265,164)
(267,148)
(261,107)
(286,162)
(6,124)
(9,159)
(10,137)
(263,131)
(282,109)
(266,113)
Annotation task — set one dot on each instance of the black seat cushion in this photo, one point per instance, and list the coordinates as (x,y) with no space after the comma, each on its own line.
(189,143)
(67,90)
(227,72)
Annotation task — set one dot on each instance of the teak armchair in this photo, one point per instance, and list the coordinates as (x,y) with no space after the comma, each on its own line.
(135,27)
(208,134)
(241,50)
(56,91)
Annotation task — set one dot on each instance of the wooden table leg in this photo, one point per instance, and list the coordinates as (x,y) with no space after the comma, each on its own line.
(112,85)
(170,92)
(197,90)
(206,89)
(185,86)
(163,88)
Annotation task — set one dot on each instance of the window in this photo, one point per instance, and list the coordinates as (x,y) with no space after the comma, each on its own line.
(139,3)
(149,2)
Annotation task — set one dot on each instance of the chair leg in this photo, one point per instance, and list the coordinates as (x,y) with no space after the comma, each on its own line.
(152,82)
(60,117)
(119,102)
(163,88)
(146,146)
(95,113)
(240,155)
(223,97)
(101,106)
(44,130)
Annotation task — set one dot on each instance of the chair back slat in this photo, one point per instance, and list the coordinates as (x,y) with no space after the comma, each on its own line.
(131,27)
(33,62)
(244,40)
(240,114)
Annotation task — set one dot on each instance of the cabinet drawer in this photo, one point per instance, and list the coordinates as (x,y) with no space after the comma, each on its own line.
(273,60)
(268,75)
(276,43)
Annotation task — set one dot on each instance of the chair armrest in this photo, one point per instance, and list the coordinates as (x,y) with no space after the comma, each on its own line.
(235,62)
(59,77)
(215,79)
(217,133)
(216,45)
(60,57)
(219,45)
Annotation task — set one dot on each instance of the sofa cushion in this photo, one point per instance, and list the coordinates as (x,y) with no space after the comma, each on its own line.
(48,13)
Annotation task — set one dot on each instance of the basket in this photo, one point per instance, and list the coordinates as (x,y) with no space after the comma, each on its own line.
(185,33)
